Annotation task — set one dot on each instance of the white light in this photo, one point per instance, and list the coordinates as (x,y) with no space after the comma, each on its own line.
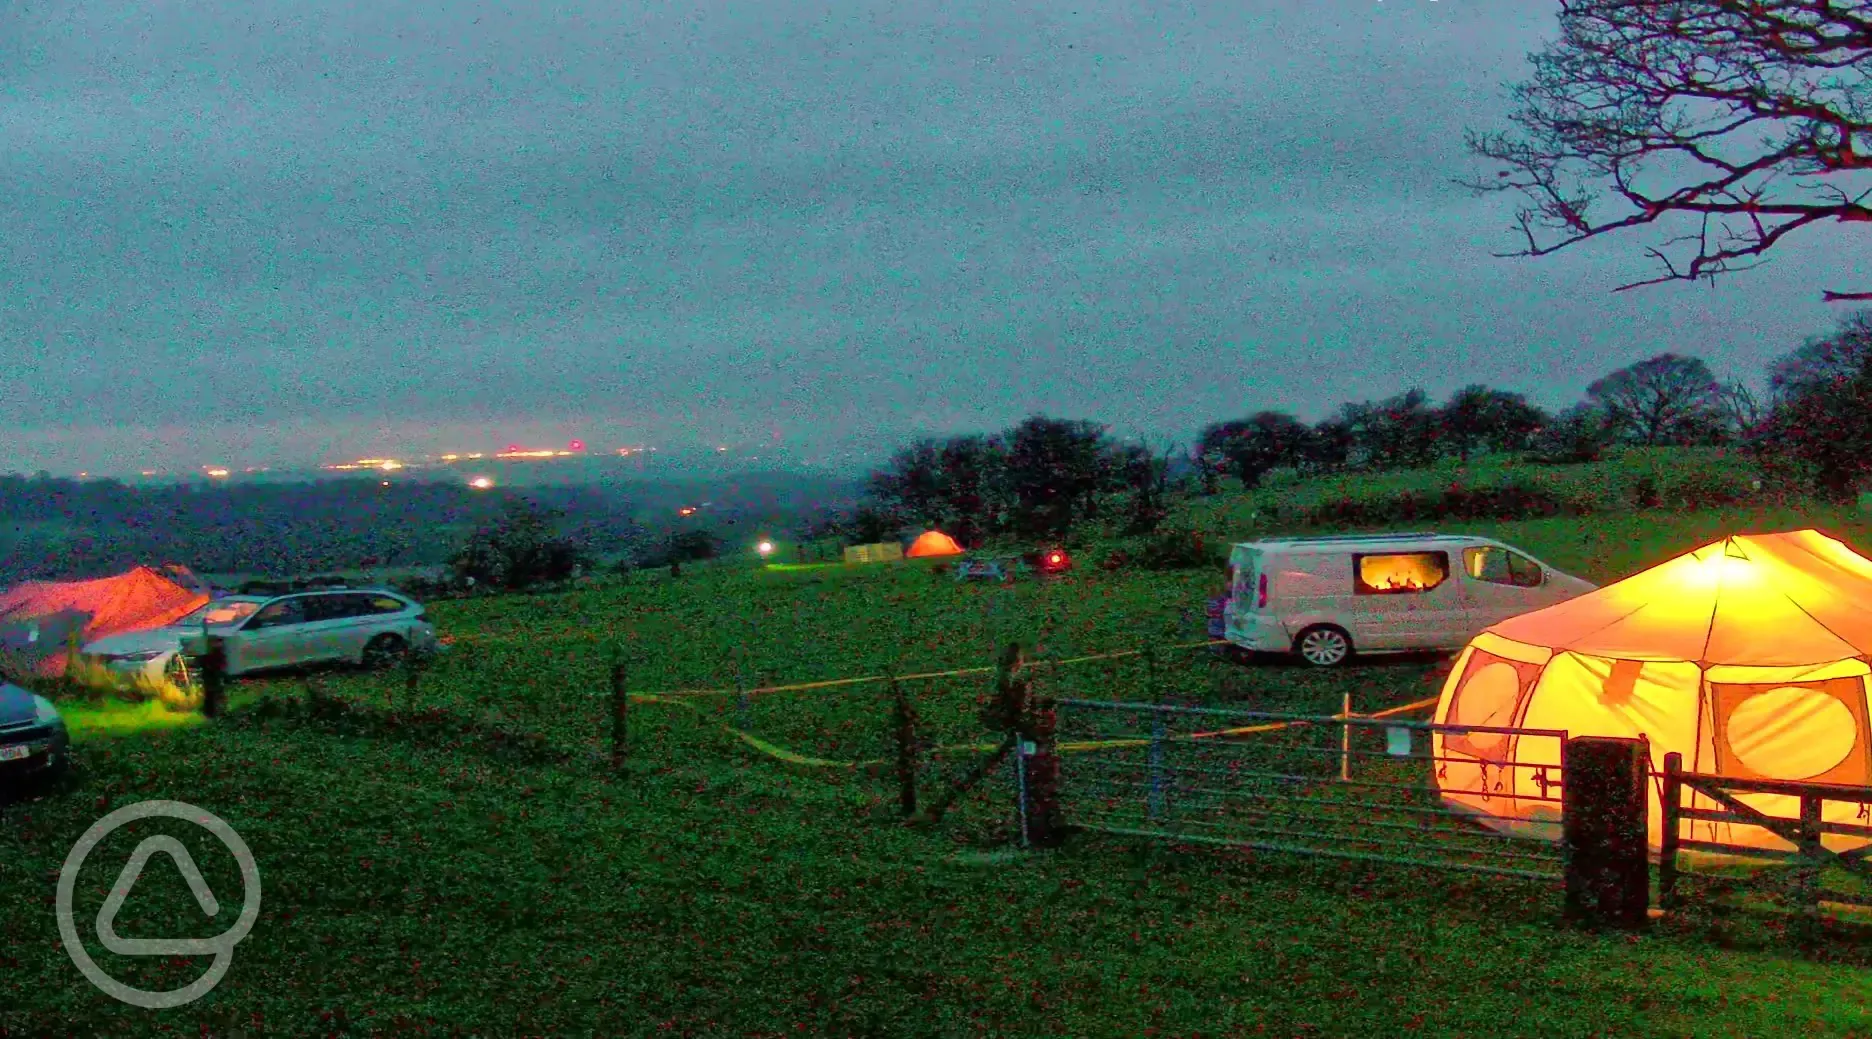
(766,547)
(480,483)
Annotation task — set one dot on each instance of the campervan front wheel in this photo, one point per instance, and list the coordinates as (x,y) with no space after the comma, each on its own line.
(1324,646)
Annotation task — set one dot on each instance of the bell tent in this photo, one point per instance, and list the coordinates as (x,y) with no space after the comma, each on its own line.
(1747,656)
(933,543)
(38,618)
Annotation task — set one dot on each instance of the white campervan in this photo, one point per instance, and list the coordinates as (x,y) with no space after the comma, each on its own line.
(1326,598)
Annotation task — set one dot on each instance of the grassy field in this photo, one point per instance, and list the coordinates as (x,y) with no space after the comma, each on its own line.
(457,862)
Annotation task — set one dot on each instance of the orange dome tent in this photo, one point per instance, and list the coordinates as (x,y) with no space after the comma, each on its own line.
(37,617)
(1747,656)
(933,543)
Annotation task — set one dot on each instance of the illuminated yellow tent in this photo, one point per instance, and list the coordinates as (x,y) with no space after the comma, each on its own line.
(1747,656)
(880,552)
(933,543)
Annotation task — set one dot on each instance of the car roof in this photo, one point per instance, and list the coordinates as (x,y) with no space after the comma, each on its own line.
(339,590)
(1344,542)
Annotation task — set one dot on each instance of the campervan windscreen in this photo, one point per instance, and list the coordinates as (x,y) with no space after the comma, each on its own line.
(1242,575)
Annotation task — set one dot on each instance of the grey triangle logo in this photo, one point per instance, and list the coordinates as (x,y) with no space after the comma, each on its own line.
(120,892)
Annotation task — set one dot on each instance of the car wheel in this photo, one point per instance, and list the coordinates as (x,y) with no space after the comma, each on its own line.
(384,651)
(1324,646)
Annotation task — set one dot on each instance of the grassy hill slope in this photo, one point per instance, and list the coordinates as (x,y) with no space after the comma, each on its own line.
(458,863)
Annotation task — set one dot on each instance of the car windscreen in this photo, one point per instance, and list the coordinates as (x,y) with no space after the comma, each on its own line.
(222,612)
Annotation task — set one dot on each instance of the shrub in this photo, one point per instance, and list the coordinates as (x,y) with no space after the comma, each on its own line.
(688,546)
(1177,550)
(95,679)
(1708,488)
(520,551)
(1510,500)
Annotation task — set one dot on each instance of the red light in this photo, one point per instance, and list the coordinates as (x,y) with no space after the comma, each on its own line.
(577,445)
(1054,558)
(513,449)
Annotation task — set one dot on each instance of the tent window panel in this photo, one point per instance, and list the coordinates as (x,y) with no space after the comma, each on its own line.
(1490,696)
(1796,731)
(1403,573)
(1791,733)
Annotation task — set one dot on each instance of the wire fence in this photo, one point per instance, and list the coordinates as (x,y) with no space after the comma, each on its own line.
(921,731)
(1341,786)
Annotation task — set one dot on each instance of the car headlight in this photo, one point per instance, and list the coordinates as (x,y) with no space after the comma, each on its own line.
(44,713)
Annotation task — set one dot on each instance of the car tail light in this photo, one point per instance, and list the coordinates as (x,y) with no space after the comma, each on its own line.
(1261,593)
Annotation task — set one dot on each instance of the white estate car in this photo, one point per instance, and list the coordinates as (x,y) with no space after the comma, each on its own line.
(1325,598)
(374,627)
(155,652)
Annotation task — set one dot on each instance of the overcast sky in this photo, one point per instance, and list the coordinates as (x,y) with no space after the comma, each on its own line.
(263,232)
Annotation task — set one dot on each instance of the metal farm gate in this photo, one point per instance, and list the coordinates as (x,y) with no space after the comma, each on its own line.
(1346,787)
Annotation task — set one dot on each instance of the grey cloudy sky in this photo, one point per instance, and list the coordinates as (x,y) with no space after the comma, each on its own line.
(263,232)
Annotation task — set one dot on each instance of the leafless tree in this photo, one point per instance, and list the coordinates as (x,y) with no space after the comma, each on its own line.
(1667,399)
(1744,410)
(1742,121)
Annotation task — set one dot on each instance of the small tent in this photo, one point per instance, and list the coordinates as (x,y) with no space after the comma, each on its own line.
(933,543)
(39,618)
(1747,656)
(881,552)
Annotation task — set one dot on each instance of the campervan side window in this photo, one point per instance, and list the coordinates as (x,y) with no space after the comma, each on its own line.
(1499,566)
(1402,573)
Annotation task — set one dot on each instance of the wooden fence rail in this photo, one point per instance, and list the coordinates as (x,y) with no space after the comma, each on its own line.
(1809,855)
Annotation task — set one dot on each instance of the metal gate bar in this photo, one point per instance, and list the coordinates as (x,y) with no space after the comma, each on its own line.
(1254,785)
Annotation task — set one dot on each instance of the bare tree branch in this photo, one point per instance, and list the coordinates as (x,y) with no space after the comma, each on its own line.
(1752,116)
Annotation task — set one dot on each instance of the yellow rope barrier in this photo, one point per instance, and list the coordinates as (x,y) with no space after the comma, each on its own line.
(772,750)
(780,753)
(918,676)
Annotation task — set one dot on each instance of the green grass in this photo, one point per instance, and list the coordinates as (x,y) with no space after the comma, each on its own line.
(457,862)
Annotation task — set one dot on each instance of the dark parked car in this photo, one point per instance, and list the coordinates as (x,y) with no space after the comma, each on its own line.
(33,741)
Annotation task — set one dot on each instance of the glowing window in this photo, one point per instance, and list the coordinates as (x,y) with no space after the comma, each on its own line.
(1401,574)
(1792,733)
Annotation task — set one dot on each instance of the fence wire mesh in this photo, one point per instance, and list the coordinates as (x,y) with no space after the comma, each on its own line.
(1350,788)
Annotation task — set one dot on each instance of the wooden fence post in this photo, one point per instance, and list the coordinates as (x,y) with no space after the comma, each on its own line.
(620,715)
(1046,824)
(1345,739)
(1670,802)
(1604,802)
(214,676)
(906,725)
(1807,875)
(1159,737)
(412,676)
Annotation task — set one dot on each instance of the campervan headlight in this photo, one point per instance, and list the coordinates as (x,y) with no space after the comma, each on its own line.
(44,713)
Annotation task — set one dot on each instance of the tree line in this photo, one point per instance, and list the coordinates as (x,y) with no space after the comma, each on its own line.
(1812,432)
